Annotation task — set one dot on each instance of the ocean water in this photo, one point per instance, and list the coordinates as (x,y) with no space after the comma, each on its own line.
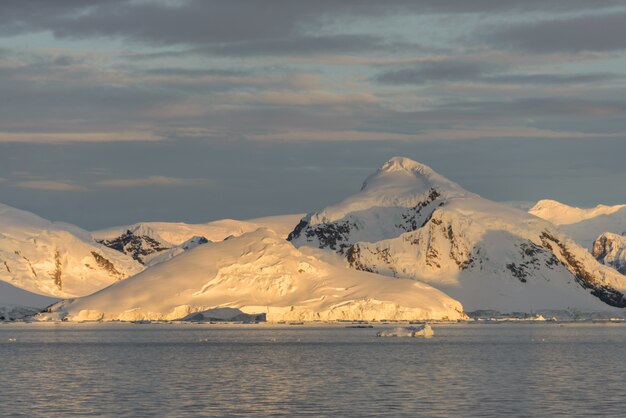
(210,370)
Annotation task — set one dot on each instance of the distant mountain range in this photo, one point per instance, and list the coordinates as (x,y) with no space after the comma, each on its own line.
(601,229)
(583,225)
(410,244)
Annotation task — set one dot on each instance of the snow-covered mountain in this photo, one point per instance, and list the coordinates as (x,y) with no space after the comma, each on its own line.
(260,273)
(561,214)
(16,303)
(410,222)
(610,249)
(56,259)
(146,246)
(583,225)
(151,243)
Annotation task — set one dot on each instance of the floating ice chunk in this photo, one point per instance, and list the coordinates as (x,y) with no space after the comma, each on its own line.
(423,330)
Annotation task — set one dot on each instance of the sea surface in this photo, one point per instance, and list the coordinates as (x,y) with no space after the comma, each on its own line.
(134,370)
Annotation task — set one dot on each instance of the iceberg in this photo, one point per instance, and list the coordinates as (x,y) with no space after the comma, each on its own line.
(423,330)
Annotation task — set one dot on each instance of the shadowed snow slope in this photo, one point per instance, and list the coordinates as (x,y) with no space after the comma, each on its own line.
(260,272)
(410,222)
(583,225)
(56,259)
(16,303)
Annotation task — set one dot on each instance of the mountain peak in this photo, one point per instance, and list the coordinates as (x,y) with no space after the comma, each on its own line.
(402,191)
(406,164)
(411,176)
(563,214)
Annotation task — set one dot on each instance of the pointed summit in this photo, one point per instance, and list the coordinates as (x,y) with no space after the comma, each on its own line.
(397,198)
(414,176)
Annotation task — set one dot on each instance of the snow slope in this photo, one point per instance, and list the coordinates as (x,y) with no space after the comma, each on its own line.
(56,259)
(259,272)
(410,222)
(176,233)
(610,249)
(583,225)
(561,214)
(16,303)
(151,243)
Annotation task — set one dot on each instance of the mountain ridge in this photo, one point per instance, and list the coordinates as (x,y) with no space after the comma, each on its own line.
(485,254)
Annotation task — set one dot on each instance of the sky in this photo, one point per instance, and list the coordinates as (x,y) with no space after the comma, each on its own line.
(124,111)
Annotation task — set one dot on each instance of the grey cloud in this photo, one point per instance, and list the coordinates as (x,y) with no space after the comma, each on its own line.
(555,114)
(555,78)
(196,72)
(437,71)
(196,22)
(605,32)
(301,45)
(538,107)
(481,71)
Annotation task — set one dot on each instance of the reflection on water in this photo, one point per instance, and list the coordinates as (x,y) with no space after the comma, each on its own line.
(189,370)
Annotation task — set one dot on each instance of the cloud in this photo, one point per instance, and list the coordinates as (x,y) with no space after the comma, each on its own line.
(151,181)
(552,79)
(437,71)
(296,98)
(493,72)
(237,27)
(51,185)
(78,136)
(606,32)
(326,135)
(460,132)
(300,45)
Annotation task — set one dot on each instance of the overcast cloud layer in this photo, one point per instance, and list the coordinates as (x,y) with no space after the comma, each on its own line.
(109,108)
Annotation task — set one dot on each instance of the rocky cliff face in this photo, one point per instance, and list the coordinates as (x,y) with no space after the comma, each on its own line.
(136,245)
(610,249)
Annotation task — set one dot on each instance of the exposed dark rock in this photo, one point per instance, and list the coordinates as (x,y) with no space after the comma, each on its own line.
(105,264)
(57,273)
(353,255)
(332,235)
(605,249)
(411,218)
(605,293)
(136,246)
(518,271)
(297,230)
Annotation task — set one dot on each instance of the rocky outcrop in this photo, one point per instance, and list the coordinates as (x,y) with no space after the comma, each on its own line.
(610,249)
(135,245)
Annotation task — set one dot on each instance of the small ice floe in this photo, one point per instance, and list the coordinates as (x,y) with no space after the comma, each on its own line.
(423,330)
(12,340)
